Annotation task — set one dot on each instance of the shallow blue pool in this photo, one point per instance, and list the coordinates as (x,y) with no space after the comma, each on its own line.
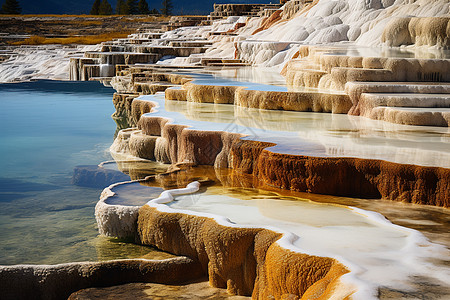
(47,129)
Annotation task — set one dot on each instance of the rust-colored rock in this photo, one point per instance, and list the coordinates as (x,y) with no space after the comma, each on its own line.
(59,281)
(342,176)
(138,108)
(244,260)
(318,276)
(295,101)
(142,145)
(176,94)
(210,93)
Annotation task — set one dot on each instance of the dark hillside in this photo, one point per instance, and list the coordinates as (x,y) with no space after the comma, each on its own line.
(84,6)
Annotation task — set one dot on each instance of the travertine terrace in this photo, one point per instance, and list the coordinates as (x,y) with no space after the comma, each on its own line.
(384,69)
(341,98)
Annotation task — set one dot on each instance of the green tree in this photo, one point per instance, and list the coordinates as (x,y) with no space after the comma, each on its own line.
(132,7)
(105,8)
(167,7)
(11,7)
(95,10)
(121,7)
(154,11)
(143,7)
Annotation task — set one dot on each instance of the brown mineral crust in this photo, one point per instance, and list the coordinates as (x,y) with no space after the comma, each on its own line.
(210,93)
(236,27)
(142,145)
(172,133)
(363,104)
(222,159)
(199,147)
(186,145)
(176,94)
(172,78)
(316,280)
(341,176)
(423,118)
(244,154)
(267,23)
(150,88)
(140,107)
(152,125)
(59,281)
(244,260)
(295,101)
(430,31)
(393,69)
(122,103)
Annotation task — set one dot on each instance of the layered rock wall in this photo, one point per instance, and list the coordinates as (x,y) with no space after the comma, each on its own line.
(337,103)
(246,261)
(59,281)
(431,31)
(342,176)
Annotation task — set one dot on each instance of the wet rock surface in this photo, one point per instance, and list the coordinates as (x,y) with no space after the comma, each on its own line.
(251,261)
(64,26)
(245,261)
(198,290)
(96,177)
(59,281)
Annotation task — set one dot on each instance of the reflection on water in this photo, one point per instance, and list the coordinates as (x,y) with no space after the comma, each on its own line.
(47,129)
(112,248)
(133,194)
(316,134)
(397,259)
(432,221)
(245,77)
(390,52)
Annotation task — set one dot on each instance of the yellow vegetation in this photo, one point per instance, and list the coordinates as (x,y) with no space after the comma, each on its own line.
(145,18)
(82,40)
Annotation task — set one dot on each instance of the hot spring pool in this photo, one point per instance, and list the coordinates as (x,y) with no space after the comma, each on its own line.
(49,128)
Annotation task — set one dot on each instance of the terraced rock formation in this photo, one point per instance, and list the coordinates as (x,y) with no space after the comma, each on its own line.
(244,260)
(251,259)
(335,61)
(399,90)
(59,281)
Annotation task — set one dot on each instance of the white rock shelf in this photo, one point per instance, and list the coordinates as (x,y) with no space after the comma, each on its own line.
(315,134)
(378,253)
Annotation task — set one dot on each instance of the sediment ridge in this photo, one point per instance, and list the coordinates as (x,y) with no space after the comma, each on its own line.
(59,281)
(243,259)
(340,176)
(259,261)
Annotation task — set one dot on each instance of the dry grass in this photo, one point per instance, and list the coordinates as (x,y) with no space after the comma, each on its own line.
(80,40)
(58,16)
(145,18)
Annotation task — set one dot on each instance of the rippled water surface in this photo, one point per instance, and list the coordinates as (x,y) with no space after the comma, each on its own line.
(47,129)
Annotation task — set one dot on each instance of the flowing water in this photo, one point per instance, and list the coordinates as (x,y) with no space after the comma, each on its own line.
(47,129)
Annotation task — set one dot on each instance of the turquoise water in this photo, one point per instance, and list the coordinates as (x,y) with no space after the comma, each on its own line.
(47,129)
